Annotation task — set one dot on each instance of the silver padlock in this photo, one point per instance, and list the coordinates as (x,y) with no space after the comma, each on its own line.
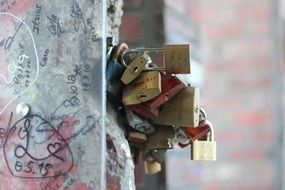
(139,124)
(180,136)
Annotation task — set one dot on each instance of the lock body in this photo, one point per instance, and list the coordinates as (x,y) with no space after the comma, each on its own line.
(181,137)
(139,124)
(135,68)
(170,86)
(160,139)
(151,167)
(177,59)
(203,150)
(182,110)
(158,155)
(195,133)
(145,111)
(145,87)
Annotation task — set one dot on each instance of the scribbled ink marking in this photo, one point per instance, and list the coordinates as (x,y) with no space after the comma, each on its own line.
(29,159)
(22,23)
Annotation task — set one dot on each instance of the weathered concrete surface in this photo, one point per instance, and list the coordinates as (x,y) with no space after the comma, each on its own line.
(51,59)
(120,167)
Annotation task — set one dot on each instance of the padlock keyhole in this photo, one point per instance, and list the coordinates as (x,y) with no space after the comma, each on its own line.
(142,96)
(135,70)
(166,97)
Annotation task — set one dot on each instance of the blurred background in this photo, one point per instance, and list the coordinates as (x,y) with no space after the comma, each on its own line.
(237,51)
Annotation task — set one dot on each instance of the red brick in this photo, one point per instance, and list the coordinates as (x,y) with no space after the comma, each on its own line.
(131,29)
(211,186)
(256,11)
(231,30)
(266,136)
(252,118)
(229,136)
(246,154)
(244,85)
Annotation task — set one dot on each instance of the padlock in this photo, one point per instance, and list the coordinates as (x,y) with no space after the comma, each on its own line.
(145,87)
(114,71)
(204,150)
(114,86)
(143,110)
(119,50)
(181,137)
(195,133)
(160,139)
(148,157)
(202,117)
(135,68)
(170,86)
(151,167)
(176,58)
(137,138)
(158,155)
(182,110)
(136,122)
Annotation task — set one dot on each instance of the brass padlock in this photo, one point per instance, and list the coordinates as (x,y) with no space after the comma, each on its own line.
(160,139)
(145,87)
(151,167)
(182,110)
(136,122)
(135,68)
(204,150)
(177,59)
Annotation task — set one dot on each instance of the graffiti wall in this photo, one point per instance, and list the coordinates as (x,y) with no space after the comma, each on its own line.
(51,94)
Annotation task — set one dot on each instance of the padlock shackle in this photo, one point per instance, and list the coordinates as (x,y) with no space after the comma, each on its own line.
(212,134)
(139,50)
(142,50)
(204,113)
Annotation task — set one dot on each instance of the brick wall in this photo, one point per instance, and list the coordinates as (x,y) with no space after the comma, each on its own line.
(236,43)
(241,92)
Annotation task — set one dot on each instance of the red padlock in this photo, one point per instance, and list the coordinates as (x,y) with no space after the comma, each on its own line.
(195,133)
(137,137)
(183,145)
(144,110)
(170,86)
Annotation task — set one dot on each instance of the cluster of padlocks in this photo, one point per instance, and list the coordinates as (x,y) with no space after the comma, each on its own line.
(157,109)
